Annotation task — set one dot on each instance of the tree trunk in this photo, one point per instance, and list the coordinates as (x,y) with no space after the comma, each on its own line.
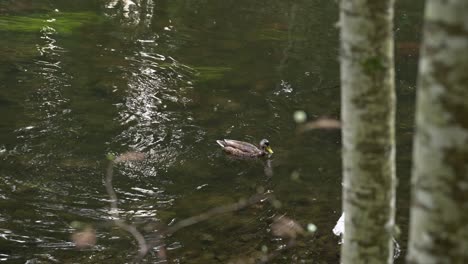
(439,208)
(368,114)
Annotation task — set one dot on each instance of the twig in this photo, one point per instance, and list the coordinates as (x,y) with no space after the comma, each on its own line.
(114,210)
(158,236)
(159,241)
(216,211)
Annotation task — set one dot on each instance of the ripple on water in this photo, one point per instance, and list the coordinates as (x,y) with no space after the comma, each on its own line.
(153,114)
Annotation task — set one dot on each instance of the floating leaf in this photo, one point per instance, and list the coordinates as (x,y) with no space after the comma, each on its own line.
(85,238)
(286,227)
(130,156)
(321,123)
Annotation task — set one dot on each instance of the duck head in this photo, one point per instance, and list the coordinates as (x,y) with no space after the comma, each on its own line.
(265,146)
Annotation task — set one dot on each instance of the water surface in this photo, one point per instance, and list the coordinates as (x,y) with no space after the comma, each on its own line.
(81,80)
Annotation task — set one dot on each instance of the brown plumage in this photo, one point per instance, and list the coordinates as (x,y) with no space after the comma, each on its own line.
(244,149)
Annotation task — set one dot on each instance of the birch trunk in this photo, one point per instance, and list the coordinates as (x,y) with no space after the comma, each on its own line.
(368,114)
(439,209)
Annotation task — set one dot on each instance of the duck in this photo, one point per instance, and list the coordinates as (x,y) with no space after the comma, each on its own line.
(245,149)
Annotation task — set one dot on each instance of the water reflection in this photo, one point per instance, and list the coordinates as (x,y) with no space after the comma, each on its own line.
(151,111)
(41,188)
(132,13)
(167,78)
(46,104)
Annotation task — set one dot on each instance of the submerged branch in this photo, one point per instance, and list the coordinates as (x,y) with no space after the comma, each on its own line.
(114,209)
(158,236)
(216,211)
(243,203)
(282,226)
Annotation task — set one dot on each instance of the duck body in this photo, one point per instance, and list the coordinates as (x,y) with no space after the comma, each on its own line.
(245,149)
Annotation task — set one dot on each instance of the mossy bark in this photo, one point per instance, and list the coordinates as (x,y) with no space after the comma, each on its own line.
(439,208)
(368,115)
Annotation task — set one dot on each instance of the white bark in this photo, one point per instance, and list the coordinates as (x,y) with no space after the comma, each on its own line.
(439,209)
(368,113)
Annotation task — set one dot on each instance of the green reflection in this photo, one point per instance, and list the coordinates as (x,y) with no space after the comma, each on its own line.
(64,23)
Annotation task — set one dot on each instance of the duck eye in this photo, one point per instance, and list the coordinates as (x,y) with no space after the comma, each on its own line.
(267,143)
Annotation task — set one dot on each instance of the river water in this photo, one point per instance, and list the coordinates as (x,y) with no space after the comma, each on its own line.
(82,79)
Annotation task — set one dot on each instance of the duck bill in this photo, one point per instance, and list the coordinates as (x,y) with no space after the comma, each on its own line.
(269,150)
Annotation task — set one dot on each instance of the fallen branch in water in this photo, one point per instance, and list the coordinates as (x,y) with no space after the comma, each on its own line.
(243,203)
(158,236)
(114,209)
(282,226)
(216,211)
